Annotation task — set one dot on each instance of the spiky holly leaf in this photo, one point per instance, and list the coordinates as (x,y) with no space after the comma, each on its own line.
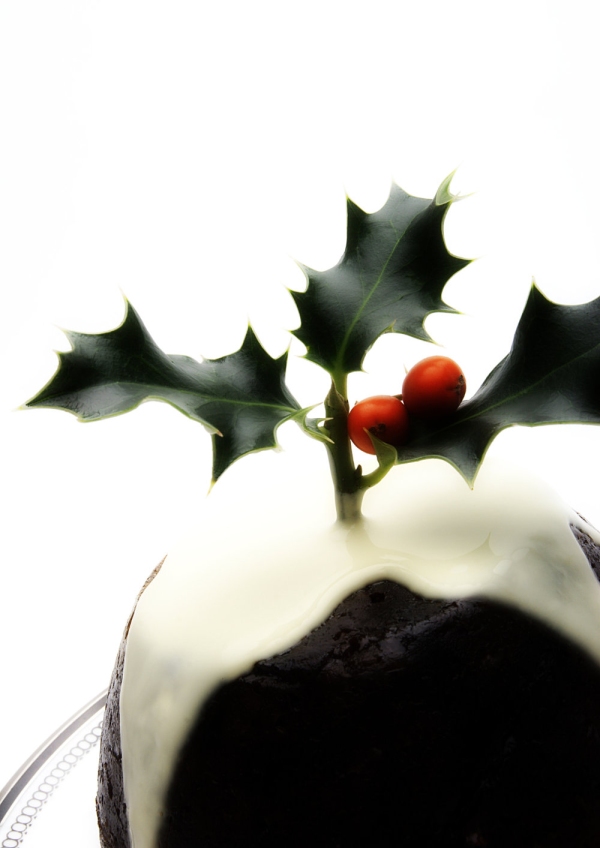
(550,376)
(390,278)
(240,398)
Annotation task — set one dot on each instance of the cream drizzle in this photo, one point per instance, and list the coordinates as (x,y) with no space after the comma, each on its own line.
(237,591)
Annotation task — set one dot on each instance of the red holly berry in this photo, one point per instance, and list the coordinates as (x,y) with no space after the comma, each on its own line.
(434,387)
(384,416)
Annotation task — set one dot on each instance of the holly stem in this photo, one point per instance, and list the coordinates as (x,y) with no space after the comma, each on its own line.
(346,477)
(375,477)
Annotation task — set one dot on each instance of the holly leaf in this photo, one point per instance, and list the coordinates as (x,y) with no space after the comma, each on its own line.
(550,376)
(240,398)
(390,278)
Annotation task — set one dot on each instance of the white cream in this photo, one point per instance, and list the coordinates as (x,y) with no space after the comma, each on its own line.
(258,574)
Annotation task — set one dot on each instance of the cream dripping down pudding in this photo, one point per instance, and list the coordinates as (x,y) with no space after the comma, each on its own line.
(222,600)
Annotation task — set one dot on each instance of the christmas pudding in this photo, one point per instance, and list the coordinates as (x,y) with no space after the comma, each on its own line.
(342,686)
(419,665)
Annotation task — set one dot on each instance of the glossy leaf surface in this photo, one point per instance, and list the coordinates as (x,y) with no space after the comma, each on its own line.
(240,398)
(389,279)
(550,376)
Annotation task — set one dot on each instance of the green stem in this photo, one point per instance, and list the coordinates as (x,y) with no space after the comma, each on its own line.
(346,477)
(370,480)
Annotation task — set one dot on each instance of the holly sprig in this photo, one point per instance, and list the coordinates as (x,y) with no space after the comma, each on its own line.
(390,278)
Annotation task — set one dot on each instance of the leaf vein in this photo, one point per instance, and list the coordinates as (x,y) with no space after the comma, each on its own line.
(361,309)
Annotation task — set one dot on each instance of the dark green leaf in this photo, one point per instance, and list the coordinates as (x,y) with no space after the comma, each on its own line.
(240,398)
(389,279)
(550,376)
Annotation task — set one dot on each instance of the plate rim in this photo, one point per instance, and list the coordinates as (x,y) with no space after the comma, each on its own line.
(21,778)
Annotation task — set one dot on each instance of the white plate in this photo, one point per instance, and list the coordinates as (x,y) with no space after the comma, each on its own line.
(50,800)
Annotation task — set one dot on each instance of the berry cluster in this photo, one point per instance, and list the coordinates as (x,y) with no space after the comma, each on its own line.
(432,389)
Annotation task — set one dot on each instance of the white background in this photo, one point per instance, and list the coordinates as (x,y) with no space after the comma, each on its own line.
(183,154)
